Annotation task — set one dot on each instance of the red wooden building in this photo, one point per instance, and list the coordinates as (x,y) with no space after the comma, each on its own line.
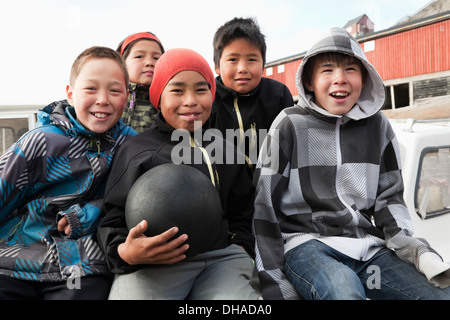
(412,58)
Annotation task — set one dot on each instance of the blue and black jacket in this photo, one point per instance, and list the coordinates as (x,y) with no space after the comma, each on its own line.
(56,169)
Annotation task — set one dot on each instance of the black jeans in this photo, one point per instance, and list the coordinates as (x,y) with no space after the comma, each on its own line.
(85,288)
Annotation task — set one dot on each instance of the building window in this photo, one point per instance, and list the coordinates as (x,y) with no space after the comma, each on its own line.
(281,68)
(269,71)
(369,46)
(401,95)
(397,96)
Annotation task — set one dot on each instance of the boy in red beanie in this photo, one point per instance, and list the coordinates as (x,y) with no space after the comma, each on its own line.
(156,267)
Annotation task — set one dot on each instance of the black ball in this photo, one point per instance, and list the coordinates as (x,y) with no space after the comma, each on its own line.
(172,195)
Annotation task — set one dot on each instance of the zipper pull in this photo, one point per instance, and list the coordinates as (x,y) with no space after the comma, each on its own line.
(133,98)
(254,136)
(14,230)
(97,142)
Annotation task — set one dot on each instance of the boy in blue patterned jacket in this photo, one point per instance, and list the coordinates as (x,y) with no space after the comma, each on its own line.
(330,219)
(52,183)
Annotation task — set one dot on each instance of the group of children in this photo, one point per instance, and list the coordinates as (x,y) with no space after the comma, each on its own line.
(296,224)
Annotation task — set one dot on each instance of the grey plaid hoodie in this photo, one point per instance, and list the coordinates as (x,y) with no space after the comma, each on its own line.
(320,176)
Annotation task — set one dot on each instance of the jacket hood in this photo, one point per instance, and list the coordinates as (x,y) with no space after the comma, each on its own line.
(62,114)
(373,94)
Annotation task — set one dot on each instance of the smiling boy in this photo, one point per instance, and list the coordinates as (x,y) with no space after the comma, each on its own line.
(245,101)
(52,183)
(97,92)
(336,82)
(331,222)
(156,267)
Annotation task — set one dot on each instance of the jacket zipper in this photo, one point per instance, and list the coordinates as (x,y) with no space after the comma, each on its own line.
(12,231)
(98,144)
(240,122)
(99,149)
(337,132)
(242,134)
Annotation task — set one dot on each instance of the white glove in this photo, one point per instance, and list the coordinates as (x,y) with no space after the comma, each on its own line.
(436,270)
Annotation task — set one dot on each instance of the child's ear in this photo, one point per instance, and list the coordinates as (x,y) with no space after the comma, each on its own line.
(364,79)
(308,86)
(69,94)
(217,69)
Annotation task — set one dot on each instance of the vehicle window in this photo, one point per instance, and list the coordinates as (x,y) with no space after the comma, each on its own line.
(432,196)
(10,131)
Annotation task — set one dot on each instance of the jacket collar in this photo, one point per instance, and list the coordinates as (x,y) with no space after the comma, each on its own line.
(163,127)
(224,90)
(62,114)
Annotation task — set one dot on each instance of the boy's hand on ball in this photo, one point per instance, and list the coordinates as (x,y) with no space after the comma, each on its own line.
(160,249)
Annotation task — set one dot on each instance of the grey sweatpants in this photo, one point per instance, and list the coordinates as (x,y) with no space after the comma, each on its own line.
(226,274)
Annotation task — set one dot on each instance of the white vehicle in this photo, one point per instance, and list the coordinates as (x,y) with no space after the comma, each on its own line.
(425,152)
(14,121)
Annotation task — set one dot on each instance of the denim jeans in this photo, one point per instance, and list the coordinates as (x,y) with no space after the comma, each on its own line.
(318,272)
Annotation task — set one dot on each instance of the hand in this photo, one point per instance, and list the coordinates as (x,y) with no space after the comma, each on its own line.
(140,249)
(63,226)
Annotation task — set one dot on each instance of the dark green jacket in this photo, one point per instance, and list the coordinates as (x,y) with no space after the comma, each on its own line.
(139,113)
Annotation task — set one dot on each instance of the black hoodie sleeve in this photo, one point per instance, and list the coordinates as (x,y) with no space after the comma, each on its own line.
(128,165)
(240,211)
(237,192)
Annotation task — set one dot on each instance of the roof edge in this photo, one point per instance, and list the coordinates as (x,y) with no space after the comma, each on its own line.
(402,27)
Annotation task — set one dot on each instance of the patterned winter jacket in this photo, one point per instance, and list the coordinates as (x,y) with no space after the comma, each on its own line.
(327,177)
(57,169)
(140,113)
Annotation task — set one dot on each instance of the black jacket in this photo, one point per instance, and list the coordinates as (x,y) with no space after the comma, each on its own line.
(258,109)
(154,147)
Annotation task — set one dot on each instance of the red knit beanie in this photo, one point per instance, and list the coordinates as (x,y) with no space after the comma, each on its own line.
(174,61)
(139,36)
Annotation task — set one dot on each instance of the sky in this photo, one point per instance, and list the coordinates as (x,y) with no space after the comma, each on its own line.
(40,39)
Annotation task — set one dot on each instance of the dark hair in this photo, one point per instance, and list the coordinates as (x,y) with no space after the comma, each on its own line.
(335,57)
(238,28)
(97,52)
